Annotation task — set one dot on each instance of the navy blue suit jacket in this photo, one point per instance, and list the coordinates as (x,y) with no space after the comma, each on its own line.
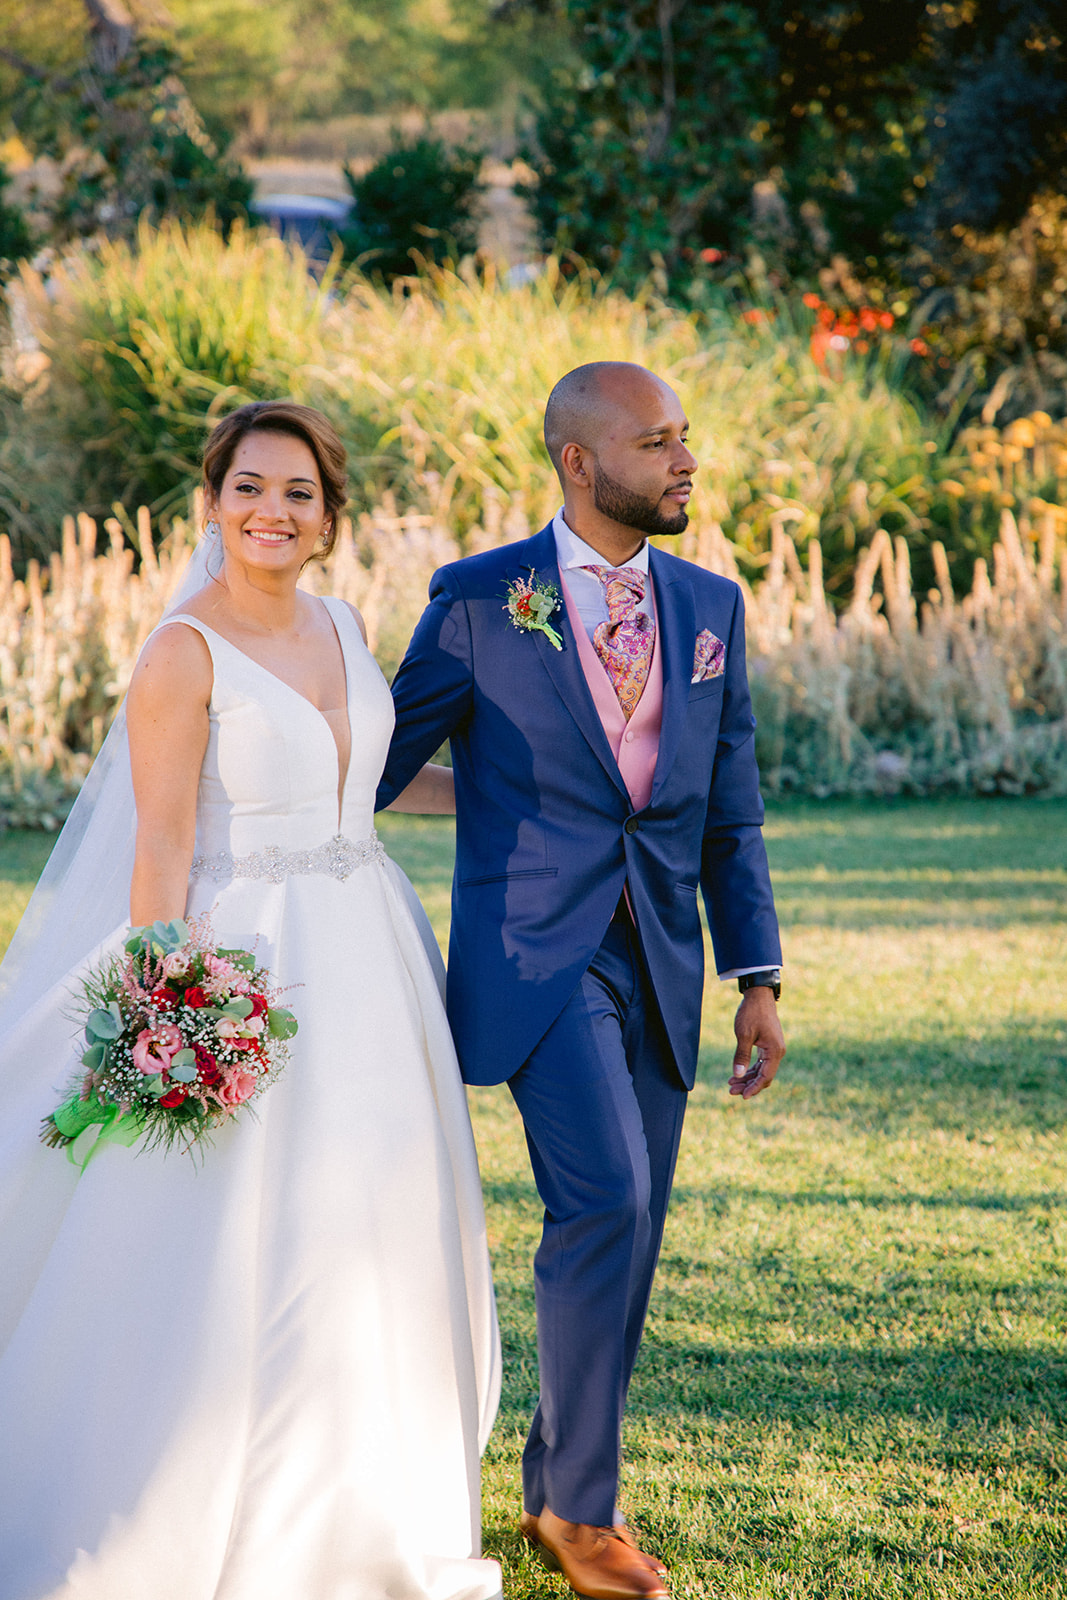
(545,833)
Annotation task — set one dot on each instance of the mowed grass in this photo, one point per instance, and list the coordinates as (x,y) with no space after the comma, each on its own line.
(854,1380)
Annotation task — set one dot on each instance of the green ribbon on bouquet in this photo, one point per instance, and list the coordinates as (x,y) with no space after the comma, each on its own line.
(76,1116)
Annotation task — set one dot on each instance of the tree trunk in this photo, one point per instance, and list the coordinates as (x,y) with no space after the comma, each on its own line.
(111,32)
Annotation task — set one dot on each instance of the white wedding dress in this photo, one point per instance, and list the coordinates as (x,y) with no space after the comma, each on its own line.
(264,1377)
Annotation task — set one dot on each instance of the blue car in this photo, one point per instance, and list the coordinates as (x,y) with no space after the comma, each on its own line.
(311,219)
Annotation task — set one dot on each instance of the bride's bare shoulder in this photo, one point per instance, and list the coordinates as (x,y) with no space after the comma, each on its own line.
(175,664)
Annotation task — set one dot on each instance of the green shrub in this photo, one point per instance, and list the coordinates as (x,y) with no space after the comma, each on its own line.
(438,389)
(16,239)
(419,200)
(150,340)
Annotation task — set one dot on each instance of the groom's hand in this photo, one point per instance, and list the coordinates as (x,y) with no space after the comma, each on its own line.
(757,1027)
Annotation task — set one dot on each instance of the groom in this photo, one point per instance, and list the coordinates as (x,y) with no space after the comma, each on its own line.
(594,692)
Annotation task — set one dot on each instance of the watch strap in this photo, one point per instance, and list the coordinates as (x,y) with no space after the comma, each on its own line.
(768,978)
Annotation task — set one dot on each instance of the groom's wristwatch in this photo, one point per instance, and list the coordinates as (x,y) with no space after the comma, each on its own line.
(770,979)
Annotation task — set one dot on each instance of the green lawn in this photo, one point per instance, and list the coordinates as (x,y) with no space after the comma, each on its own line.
(854,1381)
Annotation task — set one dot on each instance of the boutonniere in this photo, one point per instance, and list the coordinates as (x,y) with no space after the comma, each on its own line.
(530,604)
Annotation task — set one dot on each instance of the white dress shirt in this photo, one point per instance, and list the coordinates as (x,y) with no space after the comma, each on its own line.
(585,588)
(591,603)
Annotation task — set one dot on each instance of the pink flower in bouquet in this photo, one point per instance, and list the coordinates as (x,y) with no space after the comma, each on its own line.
(224,977)
(237,1087)
(226,1028)
(154,1047)
(176,965)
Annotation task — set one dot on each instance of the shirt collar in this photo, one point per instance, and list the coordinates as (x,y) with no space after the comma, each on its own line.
(574,552)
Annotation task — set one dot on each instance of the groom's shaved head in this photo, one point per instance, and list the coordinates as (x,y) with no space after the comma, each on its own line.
(585,401)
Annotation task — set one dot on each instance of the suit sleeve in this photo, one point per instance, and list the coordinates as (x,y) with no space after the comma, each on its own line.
(734,875)
(433,687)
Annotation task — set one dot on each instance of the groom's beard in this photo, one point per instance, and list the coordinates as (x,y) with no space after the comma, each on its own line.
(633,510)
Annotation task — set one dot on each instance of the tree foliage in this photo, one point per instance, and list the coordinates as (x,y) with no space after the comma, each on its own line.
(683,125)
(108,107)
(418,200)
(245,62)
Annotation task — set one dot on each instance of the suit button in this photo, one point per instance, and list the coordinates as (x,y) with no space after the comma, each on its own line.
(631,825)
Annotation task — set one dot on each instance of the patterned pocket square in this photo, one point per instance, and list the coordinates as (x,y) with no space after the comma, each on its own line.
(710,658)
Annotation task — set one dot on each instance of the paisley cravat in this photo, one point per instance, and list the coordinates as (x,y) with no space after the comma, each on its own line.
(625,641)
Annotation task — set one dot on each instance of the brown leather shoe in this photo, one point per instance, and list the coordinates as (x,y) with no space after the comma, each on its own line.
(528,1529)
(622,1532)
(598,1563)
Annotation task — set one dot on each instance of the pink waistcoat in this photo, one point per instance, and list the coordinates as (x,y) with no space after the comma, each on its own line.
(634,744)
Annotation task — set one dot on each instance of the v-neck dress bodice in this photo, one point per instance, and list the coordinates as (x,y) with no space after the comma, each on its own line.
(270,773)
(264,1377)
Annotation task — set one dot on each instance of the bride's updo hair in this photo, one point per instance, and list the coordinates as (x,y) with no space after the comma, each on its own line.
(283,416)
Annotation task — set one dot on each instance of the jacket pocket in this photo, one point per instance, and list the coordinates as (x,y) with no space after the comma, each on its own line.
(509,877)
(706,687)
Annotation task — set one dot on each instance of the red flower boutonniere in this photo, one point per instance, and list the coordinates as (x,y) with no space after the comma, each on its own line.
(530,604)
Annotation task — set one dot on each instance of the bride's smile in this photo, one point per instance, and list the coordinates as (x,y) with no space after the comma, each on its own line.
(270,507)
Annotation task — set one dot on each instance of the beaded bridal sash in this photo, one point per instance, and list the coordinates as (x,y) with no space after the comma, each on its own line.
(337,858)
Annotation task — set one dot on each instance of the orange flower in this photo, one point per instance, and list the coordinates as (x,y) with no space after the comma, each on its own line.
(812,301)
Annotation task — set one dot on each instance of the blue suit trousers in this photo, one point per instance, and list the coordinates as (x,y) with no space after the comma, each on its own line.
(602,1104)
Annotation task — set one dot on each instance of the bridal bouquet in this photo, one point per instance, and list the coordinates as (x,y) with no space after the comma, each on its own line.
(178,1035)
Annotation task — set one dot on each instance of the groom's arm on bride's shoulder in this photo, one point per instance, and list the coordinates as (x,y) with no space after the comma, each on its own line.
(432,695)
(167,720)
(735,877)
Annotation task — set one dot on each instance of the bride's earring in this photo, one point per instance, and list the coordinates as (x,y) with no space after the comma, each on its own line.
(212,529)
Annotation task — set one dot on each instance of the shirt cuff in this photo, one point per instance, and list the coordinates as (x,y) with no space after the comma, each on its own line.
(740,972)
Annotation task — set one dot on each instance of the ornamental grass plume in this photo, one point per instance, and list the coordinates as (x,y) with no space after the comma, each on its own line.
(920,691)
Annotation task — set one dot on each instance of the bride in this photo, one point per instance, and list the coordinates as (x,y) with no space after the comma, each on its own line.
(264,1377)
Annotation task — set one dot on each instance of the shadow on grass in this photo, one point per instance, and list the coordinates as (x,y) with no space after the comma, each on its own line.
(933,1076)
(955,1396)
(720,1202)
(952,1396)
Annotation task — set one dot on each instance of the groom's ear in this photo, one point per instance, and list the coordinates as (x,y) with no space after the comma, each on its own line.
(574,462)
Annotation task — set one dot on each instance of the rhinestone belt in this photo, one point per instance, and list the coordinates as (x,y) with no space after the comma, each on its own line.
(338,858)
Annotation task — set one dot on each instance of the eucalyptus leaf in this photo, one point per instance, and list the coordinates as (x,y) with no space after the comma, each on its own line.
(240,1006)
(183,1058)
(95,1057)
(155,1086)
(169,936)
(281,1024)
(102,1025)
(183,1073)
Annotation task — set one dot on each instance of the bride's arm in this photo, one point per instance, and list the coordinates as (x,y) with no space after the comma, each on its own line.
(431,791)
(167,718)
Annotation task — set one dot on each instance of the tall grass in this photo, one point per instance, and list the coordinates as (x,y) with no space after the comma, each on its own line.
(900,692)
(438,389)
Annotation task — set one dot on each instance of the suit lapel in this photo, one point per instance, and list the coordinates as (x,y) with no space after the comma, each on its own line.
(677,634)
(564,666)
